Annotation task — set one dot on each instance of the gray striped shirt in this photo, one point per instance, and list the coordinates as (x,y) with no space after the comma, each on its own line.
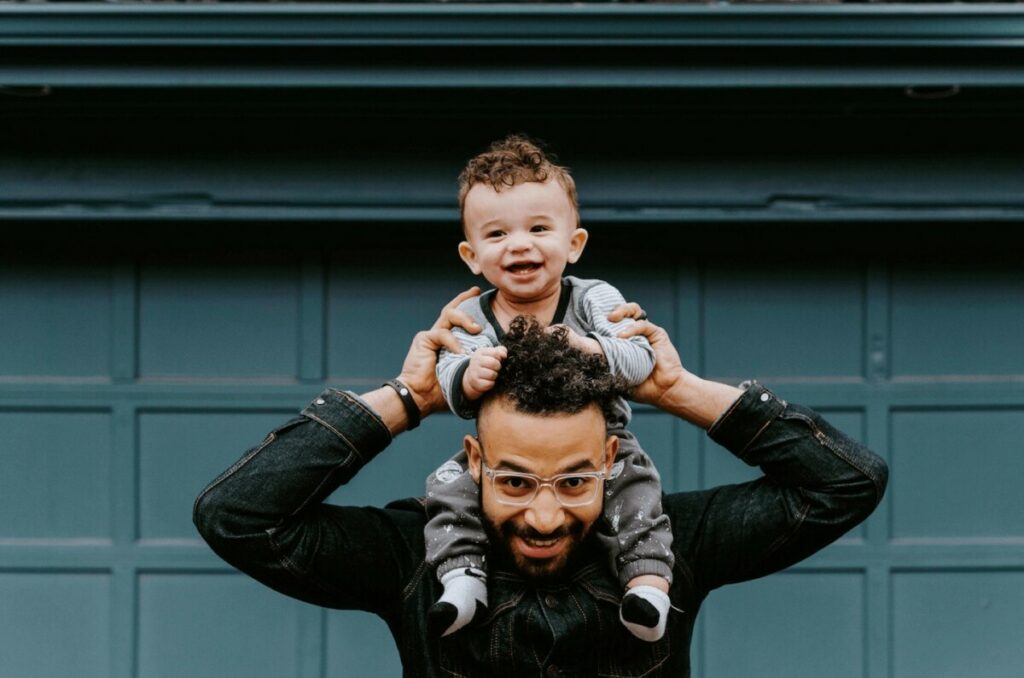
(584,308)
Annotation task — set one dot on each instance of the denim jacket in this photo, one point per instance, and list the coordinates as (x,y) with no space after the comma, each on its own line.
(265,515)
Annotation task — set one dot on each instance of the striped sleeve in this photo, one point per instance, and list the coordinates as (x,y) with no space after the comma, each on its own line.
(633,358)
(451,366)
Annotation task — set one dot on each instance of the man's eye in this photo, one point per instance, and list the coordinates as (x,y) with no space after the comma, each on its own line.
(573,482)
(514,484)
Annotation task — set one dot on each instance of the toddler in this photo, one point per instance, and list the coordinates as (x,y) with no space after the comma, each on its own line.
(521,227)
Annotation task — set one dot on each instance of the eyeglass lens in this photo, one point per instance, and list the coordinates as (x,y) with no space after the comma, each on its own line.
(570,490)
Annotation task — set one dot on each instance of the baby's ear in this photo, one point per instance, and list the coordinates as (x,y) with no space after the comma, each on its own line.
(469,256)
(577,241)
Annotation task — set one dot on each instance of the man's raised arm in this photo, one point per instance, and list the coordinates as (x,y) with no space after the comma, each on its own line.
(265,514)
(818,482)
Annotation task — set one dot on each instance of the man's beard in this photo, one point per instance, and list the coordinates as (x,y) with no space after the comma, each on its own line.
(548,569)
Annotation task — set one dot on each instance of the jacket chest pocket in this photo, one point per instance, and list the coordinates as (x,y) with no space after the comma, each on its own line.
(635,658)
(623,655)
(487,650)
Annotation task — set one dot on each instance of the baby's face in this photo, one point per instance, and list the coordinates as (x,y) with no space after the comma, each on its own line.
(522,238)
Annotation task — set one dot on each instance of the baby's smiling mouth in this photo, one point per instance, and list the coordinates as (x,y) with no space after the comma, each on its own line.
(525,267)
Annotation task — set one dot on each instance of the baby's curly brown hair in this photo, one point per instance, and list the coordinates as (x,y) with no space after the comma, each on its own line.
(543,374)
(514,160)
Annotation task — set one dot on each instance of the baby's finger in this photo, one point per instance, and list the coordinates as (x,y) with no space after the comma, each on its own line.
(499,353)
(489,363)
(488,375)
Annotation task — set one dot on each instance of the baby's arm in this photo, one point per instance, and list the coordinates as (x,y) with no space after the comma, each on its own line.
(454,368)
(627,358)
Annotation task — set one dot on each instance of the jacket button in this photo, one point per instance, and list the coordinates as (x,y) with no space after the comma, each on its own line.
(553,671)
(765,397)
(319,401)
(552,602)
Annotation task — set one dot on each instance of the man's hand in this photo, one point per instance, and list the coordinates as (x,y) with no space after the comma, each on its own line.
(483,370)
(670,387)
(668,373)
(418,370)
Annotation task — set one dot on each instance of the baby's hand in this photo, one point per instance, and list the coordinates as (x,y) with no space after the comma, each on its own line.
(482,372)
(578,341)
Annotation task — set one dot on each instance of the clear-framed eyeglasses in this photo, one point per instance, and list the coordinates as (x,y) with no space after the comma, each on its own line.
(514,488)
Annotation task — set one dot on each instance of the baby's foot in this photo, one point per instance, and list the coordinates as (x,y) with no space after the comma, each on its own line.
(644,611)
(464,599)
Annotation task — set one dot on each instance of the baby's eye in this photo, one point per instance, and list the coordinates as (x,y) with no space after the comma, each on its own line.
(495,234)
(538,228)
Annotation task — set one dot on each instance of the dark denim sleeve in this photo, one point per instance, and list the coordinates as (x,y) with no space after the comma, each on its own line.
(265,516)
(818,483)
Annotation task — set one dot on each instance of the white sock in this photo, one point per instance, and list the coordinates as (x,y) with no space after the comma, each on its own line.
(644,611)
(464,588)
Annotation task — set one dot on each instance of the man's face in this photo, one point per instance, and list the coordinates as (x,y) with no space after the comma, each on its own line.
(521,238)
(541,535)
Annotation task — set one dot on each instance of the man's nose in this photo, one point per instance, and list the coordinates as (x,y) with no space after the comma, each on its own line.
(545,514)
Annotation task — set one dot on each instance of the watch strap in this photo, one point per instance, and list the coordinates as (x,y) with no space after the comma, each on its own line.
(412,411)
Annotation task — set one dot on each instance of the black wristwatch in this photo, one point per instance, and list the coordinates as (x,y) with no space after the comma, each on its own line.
(412,411)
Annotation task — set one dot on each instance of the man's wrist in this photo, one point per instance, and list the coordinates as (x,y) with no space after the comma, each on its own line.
(698,401)
(412,408)
(428,398)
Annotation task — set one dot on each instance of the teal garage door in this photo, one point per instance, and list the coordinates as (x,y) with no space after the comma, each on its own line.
(127,385)
(211,212)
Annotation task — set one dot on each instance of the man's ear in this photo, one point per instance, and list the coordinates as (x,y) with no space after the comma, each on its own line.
(469,256)
(577,241)
(611,448)
(472,446)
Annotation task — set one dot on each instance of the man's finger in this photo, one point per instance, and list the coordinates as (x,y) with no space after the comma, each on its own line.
(641,328)
(453,317)
(462,296)
(629,309)
(439,337)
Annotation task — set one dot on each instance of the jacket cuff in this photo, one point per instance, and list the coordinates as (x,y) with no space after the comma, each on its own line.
(739,426)
(348,417)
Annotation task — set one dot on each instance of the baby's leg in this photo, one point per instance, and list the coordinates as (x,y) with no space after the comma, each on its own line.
(455,545)
(639,538)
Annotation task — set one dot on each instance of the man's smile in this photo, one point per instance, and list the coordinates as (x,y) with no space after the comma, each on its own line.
(540,549)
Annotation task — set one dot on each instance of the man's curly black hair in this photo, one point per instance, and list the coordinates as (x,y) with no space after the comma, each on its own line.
(543,374)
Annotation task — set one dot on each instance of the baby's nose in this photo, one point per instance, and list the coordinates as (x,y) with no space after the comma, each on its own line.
(519,241)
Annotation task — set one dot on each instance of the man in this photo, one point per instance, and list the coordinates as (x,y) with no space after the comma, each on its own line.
(554,601)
